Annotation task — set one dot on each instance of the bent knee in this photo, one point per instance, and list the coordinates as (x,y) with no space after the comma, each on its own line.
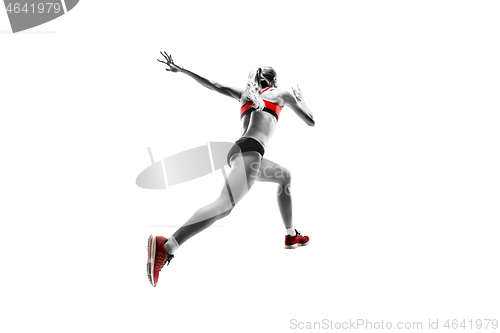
(285,179)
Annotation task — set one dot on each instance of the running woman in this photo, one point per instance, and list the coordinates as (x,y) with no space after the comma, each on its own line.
(261,104)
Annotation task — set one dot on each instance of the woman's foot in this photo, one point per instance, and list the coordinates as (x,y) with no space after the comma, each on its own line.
(157,257)
(292,242)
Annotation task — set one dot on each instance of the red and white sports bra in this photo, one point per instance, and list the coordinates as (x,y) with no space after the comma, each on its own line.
(270,107)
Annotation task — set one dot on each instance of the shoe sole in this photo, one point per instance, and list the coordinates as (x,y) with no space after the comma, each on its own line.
(151,259)
(296,245)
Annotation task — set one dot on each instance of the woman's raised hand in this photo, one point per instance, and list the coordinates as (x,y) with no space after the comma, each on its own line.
(170,63)
(298,93)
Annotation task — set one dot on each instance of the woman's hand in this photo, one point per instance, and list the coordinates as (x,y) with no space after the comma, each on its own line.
(298,105)
(297,93)
(170,63)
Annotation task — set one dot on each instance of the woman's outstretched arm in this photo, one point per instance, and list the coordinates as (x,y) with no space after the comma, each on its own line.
(299,106)
(212,85)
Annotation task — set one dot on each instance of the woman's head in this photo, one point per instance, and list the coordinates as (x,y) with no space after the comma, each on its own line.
(258,79)
(268,77)
(264,77)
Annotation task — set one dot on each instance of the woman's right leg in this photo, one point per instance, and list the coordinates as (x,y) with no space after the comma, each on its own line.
(273,172)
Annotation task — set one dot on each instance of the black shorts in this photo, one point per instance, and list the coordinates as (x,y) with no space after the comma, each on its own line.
(245,144)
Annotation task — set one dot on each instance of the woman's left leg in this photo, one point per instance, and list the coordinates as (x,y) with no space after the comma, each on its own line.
(240,179)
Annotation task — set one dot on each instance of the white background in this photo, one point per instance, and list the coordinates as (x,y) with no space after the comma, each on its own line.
(397,184)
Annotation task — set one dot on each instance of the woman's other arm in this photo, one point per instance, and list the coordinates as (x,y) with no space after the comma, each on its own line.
(298,105)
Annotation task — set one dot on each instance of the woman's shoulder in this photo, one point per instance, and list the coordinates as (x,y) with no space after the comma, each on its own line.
(277,91)
(277,96)
(282,94)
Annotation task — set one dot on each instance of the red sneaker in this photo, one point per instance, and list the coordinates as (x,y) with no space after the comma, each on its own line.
(157,257)
(296,241)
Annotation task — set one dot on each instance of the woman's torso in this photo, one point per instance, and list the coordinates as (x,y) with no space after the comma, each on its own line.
(261,125)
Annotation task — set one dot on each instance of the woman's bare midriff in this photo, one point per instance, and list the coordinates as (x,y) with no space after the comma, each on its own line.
(260,127)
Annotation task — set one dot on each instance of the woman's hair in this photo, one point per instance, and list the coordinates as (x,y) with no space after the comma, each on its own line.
(269,76)
(259,78)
